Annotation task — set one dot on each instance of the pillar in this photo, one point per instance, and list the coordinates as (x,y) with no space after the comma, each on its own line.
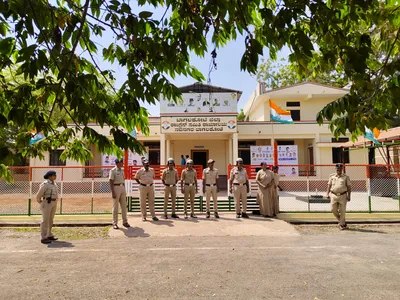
(168,148)
(230,150)
(235,147)
(162,149)
(317,154)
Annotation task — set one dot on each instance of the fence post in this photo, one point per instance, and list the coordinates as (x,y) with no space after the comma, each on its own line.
(368,189)
(308,188)
(91,206)
(30,192)
(61,196)
(398,189)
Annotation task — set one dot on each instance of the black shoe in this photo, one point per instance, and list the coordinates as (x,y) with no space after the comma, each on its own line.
(208,215)
(238,215)
(126,225)
(155,219)
(216,215)
(174,216)
(115,226)
(45,241)
(52,238)
(244,215)
(193,216)
(165,216)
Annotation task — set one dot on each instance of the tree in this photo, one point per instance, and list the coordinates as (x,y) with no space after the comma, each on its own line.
(241,116)
(276,74)
(44,41)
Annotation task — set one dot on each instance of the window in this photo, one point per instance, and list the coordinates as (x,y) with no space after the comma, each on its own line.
(340,140)
(340,155)
(295,114)
(55,158)
(292,104)
(246,144)
(285,143)
(245,155)
(152,145)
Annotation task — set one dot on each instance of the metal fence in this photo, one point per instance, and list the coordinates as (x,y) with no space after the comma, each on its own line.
(86,190)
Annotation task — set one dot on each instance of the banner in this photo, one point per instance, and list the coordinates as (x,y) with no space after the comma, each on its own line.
(197,103)
(259,154)
(198,124)
(288,155)
(134,159)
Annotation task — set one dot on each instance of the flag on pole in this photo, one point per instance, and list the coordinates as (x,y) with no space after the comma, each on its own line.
(36,138)
(280,115)
(369,135)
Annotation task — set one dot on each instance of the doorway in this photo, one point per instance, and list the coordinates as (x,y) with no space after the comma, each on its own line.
(200,157)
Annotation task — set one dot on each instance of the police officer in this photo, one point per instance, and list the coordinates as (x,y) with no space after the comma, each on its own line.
(117,186)
(170,179)
(189,187)
(210,187)
(47,198)
(239,184)
(339,190)
(145,178)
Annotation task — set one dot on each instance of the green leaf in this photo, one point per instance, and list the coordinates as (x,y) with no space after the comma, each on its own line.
(145,14)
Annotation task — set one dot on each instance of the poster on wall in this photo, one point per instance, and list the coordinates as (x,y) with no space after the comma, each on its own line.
(259,154)
(288,155)
(195,103)
(134,159)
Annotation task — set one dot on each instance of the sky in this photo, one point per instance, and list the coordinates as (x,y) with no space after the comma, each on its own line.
(227,75)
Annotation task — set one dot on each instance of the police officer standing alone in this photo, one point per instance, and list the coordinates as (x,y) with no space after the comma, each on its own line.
(117,186)
(189,187)
(210,187)
(339,190)
(170,179)
(47,198)
(145,178)
(239,184)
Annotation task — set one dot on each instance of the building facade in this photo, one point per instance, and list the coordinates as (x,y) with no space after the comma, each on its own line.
(204,126)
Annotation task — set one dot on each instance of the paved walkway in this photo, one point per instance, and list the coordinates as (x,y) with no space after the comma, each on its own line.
(226,225)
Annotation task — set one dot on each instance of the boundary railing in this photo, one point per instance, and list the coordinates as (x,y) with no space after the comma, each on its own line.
(86,190)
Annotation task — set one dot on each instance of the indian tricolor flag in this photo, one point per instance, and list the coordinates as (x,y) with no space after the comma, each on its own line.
(280,115)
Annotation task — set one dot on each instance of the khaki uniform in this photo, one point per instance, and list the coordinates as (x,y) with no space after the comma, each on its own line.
(146,189)
(276,194)
(189,179)
(239,178)
(338,195)
(265,194)
(210,178)
(117,175)
(170,178)
(47,189)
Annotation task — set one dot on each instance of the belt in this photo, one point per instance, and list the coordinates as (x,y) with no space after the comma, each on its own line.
(241,184)
(150,184)
(211,184)
(189,184)
(339,194)
(119,184)
(170,185)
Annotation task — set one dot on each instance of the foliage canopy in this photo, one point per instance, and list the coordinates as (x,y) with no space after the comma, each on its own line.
(44,40)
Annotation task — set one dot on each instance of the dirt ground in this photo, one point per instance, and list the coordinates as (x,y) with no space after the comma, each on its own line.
(319,263)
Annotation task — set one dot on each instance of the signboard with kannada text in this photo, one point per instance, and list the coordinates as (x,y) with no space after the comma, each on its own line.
(198,124)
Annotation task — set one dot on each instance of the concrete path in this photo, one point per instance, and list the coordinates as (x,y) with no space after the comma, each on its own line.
(349,265)
(226,225)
